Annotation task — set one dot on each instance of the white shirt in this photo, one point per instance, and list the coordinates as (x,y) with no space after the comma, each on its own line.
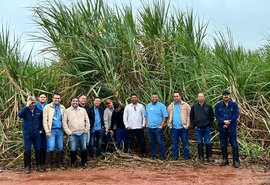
(134,116)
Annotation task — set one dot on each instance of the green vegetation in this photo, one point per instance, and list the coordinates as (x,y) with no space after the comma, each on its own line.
(114,51)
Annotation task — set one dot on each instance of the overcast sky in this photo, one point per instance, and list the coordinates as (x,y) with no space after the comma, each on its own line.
(248,20)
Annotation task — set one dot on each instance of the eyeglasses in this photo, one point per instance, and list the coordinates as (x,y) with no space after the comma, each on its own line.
(135,108)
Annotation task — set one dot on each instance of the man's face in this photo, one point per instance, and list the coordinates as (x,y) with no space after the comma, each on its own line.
(42,98)
(75,102)
(134,99)
(154,98)
(97,102)
(56,99)
(118,109)
(32,105)
(83,100)
(201,98)
(109,105)
(226,97)
(176,97)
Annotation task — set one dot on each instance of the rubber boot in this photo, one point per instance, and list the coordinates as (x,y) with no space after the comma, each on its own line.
(59,160)
(43,158)
(49,160)
(73,159)
(236,162)
(84,158)
(224,161)
(209,153)
(27,162)
(38,155)
(200,152)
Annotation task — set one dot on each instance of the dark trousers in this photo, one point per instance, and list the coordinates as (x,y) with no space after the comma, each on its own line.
(32,139)
(183,134)
(139,134)
(96,136)
(225,135)
(156,134)
(121,135)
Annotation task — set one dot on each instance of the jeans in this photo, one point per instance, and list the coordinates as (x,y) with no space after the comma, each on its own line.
(29,139)
(225,135)
(95,135)
(183,134)
(203,134)
(121,135)
(56,139)
(139,134)
(43,141)
(156,134)
(75,141)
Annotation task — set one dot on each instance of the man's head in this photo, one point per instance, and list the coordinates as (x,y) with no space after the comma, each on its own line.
(134,98)
(42,98)
(117,107)
(31,101)
(74,102)
(56,98)
(226,95)
(154,98)
(201,98)
(82,99)
(97,101)
(177,97)
(109,103)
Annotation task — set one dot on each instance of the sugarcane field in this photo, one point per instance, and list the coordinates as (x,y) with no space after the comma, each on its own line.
(134,92)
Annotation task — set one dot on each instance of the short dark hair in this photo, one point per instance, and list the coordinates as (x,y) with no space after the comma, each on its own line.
(73,97)
(177,92)
(97,97)
(133,94)
(42,94)
(154,93)
(116,105)
(56,94)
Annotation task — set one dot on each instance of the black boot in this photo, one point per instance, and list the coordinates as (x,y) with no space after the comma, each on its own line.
(38,161)
(49,160)
(84,158)
(43,157)
(73,159)
(27,162)
(209,153)
(224,161)
(236,162)
(200,152)
(59,160)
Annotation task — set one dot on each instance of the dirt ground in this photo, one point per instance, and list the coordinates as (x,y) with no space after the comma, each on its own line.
(138,172)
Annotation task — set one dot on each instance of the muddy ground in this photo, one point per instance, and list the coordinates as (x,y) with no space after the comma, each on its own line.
(134,171)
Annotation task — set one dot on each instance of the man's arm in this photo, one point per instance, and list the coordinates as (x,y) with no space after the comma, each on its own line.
(65,124)
(126,118)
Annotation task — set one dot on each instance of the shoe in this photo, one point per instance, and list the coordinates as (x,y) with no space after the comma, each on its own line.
(200,152)
(236,162)
(38,157)
(84,165)
(59,160)
(48,160)
(27,169)
(27,162)
(224,152)
(144,155)
(209,153)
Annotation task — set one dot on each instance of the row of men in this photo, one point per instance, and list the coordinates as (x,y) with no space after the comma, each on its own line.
(44,126)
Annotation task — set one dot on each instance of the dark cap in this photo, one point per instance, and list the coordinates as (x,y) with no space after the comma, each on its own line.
(226,92)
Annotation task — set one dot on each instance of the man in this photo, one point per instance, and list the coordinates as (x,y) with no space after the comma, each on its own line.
(155,117)
(179,121)
(107,119)
(97,126)
(42,102)
(202,118)
(32,130)
(134,122)
(76,126)
(227,114)
(82,103)
(52,123)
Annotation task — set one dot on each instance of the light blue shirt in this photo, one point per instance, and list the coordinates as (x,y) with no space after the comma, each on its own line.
(57,118)
(155,114)
(177,120)
(97,124)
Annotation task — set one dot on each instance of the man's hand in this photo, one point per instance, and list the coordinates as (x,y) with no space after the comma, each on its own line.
(70,134)
(28,103)
(48,134)
(225,126)
(128,128)
(161,126)
(227,122)
(111,132)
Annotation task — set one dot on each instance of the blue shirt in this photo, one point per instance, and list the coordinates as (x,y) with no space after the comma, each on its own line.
(177,120)
(97,124)
(155,114)
(39,106)
(57,118)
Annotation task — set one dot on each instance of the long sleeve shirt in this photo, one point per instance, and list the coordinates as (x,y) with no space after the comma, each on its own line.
(75,120)
(134,116)
(117,120)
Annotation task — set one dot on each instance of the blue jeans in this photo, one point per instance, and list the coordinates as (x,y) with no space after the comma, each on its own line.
(95,135)
(56,139)
(225,135)
(156,134)
(121,135)
(183,134)
(203,134)
(31,138)
(75,141)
